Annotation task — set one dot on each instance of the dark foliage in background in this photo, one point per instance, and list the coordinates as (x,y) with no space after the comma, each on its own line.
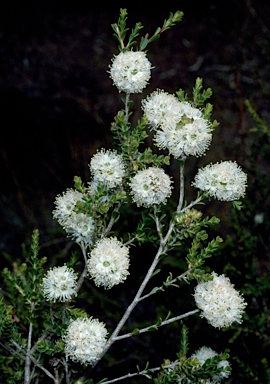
(56,105)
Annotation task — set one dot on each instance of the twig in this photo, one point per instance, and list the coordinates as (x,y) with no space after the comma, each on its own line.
(181,188)
(164,322)
(34,361)
(145,372)
(197,201)
(166,284)
(28,354)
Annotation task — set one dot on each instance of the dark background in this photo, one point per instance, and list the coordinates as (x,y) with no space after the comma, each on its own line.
(57,100)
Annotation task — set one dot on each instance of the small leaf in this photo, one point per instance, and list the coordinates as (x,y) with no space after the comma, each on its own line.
(155,272)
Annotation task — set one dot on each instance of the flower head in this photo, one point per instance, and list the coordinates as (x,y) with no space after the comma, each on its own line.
(162,109)
(59,283)
(224,181)
(85,340)
(130,71)
(219,302)
(205,353)
(65,204)
(191,138)
(180,127)
(107,167)
(80,227)
(150,186)
(108,263)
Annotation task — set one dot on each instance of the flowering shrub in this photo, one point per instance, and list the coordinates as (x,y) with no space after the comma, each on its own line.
(47,328)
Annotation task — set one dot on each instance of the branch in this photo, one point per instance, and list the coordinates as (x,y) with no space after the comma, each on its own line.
(111,223)
(133,303)
(28,354)
(162,249)
(197,201)
(34,361)
(166,284)
(182,187)
(158,225)
(150,327)
(145,372)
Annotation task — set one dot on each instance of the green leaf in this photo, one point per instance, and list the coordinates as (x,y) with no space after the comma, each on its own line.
(237,205)
(155,272)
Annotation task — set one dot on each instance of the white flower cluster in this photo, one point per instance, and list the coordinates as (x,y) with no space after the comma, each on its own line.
(108,263)
(59,283)
(150,186)
(179,126)
(107,168)
(78,225)
(224,181)
(205,353)
(219,301)
(85,340)
(130,71)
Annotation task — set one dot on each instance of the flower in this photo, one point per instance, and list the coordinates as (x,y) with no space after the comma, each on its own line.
(65,204)
(130,71)
(80,227)
(162,109)
(205,353)
(220,303)
(180,127)
(189,139)
(108,263)
(85,340)
(150,186)
(107,168)
(224,181)
(59,283)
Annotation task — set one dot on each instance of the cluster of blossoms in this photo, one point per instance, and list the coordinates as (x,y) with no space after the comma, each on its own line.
(150,186)
(219,301)
(78,225)
(108,262)
(85,340)
(59,283)
(199,358)
(180,128)
(225,180)
(130,71)
(183,130)
(205,353)
(107,168)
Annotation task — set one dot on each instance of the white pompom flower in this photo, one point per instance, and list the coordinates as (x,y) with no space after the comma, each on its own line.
(151,186)
(65,204)
(85,340)
(59,283)
(205,353)
(107,167)
(219,301)
(80,227)
(189,139)
(225,180)
(108,262)
(130,71)
(162,109)
(180,127)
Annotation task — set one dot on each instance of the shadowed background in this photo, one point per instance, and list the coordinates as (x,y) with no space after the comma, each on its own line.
(57,100)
